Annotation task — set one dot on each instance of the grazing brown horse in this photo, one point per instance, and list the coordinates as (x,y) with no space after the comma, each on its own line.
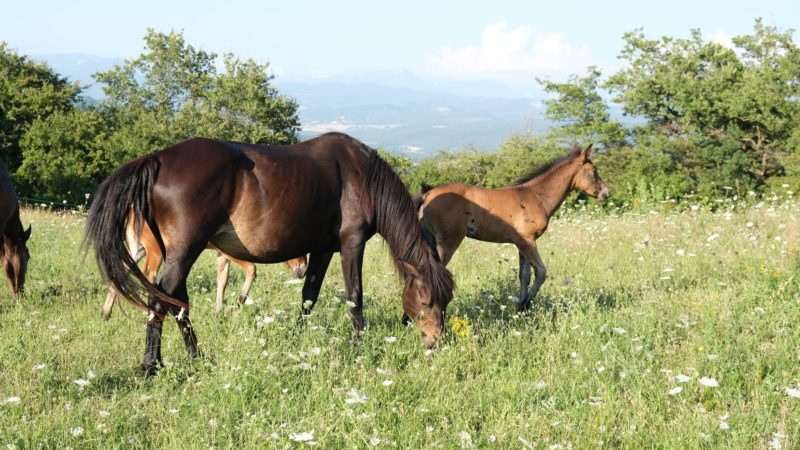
(145,246)
(264,204)
(15,237)
(516,214)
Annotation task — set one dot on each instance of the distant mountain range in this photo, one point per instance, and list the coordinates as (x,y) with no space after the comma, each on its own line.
(398,111)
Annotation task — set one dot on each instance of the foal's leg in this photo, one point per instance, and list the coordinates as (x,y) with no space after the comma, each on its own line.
(524,277)
(531,253)
(317,266)
(137,252)
(108,306)
(249,276)
(223,266)
(352,259)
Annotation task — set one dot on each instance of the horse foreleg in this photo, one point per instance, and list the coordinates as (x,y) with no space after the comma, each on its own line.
(352,259)
(223,266)
(531,253)
(317,266)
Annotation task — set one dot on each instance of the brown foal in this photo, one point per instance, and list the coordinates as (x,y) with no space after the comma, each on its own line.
(517,214)
(145,246)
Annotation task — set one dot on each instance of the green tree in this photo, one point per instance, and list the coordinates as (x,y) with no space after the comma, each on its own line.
(581,112)
(727,119)
(66,155)
(172,92)
(29,90)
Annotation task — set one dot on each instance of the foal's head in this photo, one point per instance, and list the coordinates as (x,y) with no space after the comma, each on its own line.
(425,299)
(15,260)
(587,180)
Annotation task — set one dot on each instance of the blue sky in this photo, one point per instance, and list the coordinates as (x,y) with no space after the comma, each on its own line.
(503,40)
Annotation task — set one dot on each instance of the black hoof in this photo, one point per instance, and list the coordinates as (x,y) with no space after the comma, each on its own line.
(405,320)
(148,370)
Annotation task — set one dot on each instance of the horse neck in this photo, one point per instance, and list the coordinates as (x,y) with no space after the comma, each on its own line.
(552,187)
(14,229)
(395,214)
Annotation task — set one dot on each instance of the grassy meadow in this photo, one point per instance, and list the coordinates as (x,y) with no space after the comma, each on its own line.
(654,330)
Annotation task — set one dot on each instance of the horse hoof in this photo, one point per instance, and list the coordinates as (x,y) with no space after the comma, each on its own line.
(148,370)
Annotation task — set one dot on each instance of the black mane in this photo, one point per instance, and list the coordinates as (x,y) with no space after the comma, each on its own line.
(396,221)
(541,170)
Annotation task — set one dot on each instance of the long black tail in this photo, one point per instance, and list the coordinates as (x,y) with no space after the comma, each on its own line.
(129,188)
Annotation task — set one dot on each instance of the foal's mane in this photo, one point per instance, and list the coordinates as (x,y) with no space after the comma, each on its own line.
(396,221)
(546,167)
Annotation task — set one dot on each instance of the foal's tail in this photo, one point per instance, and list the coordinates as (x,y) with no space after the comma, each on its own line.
(128,189)
(419,199)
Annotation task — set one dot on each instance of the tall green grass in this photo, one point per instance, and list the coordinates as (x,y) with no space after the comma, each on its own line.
(635,307)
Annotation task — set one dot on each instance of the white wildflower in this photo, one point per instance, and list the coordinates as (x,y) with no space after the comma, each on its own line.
(619,330)
(12,400)
(76,432)
(776,442)
(681,378)
(709,382)
(39,366)
(712,237)
(676,390)
(81,382)
(354,396)
(465,439)
(388,383)
(390,339)
(103,413)
(792,392)
(305,436)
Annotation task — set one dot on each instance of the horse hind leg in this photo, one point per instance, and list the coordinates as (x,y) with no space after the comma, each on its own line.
(108,306)
(531,253)
(137,252)
(317,267)
(249,276)
(223,266)
(173,283)
(524,278)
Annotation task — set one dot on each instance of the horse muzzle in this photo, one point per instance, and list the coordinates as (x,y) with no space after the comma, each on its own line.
(602,194)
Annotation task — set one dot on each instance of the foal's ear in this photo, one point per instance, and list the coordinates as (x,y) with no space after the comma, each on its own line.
(27,233)
(409,268)
(587,152)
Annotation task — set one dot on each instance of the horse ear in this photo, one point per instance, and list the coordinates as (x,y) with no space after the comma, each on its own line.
(27,233)
(409,268)
(587,152)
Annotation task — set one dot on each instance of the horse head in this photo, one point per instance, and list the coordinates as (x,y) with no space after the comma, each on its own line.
(15,260)
(587,180)
(425,299)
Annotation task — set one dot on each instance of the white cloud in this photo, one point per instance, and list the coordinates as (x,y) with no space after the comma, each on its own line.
(720,37)
(505,50)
